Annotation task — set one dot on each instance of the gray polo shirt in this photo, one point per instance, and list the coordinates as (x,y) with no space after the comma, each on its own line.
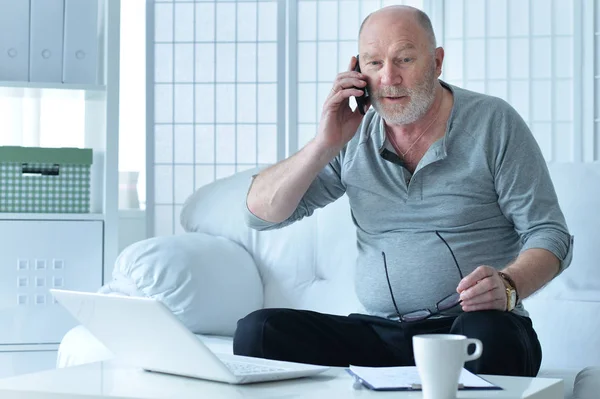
(484,187)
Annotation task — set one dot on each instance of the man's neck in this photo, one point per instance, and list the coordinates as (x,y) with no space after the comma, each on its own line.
(418,127)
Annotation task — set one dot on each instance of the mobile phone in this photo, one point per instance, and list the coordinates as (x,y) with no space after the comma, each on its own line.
(360,100)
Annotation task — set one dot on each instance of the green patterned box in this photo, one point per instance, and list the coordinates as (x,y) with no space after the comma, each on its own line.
(45,180)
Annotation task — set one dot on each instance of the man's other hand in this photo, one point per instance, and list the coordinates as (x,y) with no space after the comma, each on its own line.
(483,289)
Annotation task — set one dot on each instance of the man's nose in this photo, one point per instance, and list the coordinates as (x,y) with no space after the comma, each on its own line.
(390,75)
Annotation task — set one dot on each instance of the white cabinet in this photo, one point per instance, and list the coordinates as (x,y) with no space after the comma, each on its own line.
(37,256)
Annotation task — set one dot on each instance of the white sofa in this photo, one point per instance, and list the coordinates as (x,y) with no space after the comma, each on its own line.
(221,270)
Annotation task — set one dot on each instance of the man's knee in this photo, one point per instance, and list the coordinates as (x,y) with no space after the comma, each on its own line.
(248,339)
(509,348)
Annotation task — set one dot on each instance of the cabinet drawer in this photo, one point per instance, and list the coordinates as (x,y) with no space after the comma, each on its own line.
(39,255)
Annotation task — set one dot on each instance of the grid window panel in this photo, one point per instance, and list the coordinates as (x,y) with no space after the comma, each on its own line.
(267,144)
(163,22)
(345,48)
(246,27)
(164,220)
(184,103)
(453,59)
(496,58)
(307,23)
(184,22)
(563,142)
(225,103)
(474,18)
(225,144)
(518,12)
(246,103)
(216,91)
(520,51)
(306,53)
(205,22)
(204,148)
(226,24)
(327,20)
(246,144)
(563,103)
(163,59)
(163,103)
(183,185)
(327,38)
(563,17)
(246,62)
(204,102)
(267,21)
(350,21)
(541,50)
(267,103)
(163,141)
(453,19)
(541,17)
(563,56)
(266,66)
(204,63)
(184,63)
(163,184)
(183,143)
(497,25)
(226,64)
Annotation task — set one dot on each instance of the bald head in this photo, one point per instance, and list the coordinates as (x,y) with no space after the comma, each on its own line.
(386,14)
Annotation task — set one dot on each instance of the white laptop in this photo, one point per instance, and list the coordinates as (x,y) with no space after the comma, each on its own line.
(144,333)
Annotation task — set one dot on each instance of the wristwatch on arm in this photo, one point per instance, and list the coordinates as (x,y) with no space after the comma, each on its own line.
(512,297)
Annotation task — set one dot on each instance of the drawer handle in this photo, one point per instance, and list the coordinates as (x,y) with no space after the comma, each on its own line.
(28,170)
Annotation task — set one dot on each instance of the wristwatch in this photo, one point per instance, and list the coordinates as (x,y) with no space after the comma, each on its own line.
(512,297)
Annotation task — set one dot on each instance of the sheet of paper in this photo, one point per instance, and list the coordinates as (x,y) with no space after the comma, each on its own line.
(405,377)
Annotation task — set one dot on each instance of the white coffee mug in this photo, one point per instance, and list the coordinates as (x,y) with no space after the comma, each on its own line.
(440,359)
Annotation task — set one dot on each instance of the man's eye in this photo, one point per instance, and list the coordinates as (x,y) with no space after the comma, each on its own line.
(406,59)
(374,63)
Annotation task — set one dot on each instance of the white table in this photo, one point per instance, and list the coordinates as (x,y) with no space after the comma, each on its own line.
(114,380)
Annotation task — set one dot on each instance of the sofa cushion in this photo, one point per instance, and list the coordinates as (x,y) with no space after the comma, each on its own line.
(578,189)
(587,383)
(207,282)
(307,265)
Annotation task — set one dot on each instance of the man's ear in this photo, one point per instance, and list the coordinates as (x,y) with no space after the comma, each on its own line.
(439,60)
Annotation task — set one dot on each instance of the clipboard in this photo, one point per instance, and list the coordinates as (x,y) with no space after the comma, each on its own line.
(407,379)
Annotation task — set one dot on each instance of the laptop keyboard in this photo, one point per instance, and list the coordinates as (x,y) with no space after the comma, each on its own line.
(241,368)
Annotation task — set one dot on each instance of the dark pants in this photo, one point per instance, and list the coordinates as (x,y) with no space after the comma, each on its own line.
(510,345)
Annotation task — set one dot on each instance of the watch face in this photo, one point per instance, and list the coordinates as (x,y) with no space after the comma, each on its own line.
(513,299)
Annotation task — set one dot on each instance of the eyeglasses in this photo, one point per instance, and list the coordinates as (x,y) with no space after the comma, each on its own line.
(445,304)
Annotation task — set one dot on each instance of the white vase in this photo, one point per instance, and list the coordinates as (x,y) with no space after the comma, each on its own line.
(128,196)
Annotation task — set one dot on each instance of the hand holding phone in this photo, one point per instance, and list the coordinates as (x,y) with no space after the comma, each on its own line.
(361,101)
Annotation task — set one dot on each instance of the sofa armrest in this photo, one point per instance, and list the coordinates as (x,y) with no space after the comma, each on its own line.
(208,282)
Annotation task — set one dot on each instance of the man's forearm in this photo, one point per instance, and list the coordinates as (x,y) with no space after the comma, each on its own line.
(276,191)
(533,269)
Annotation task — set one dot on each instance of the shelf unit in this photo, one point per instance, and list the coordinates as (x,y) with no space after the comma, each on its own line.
(101,133)
(57,86)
